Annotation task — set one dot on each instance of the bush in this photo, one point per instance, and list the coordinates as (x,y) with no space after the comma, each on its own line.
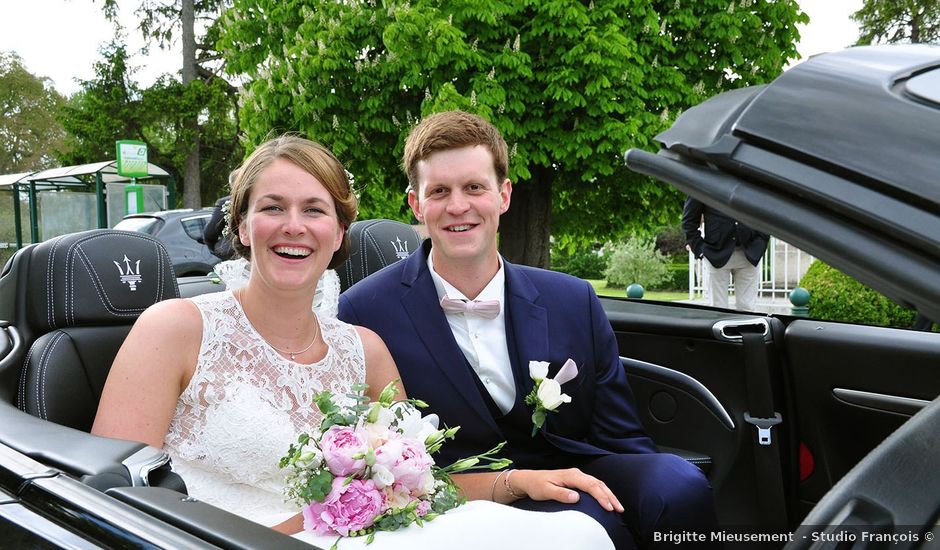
(677,277)
(835,296)
(585,264)
(636,261)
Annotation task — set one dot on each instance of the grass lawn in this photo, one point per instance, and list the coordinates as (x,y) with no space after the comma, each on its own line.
(601,288)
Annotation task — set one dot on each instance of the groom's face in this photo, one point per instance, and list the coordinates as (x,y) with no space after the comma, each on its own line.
(460,200)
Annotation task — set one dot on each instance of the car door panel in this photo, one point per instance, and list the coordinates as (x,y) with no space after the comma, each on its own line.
(841,389)
(853,386)
(686,340)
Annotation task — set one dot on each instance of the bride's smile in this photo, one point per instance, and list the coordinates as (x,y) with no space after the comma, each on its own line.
(291,223)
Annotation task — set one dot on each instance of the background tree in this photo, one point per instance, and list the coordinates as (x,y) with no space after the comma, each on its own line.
(161,22)
(112,106)
(898,21)
(29,132)
(571,85)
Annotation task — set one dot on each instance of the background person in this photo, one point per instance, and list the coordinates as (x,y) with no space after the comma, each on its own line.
(731,249)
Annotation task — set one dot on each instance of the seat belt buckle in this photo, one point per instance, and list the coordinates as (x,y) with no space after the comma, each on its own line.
(763,426)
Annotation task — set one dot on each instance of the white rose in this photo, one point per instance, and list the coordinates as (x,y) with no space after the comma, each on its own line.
(411,423)
(376,434)
(428,428)
(550,395)
(427,484)
(538,370)
(382,476)
(310,459)
(397,496)
(385,417)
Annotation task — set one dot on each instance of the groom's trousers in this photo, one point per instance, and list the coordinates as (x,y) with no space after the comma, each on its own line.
(659,493)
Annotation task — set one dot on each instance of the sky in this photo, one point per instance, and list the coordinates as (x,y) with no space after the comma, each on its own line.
(61,39)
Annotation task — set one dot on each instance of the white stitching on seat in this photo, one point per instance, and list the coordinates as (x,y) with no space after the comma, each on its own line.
(41,367)
(163,258)
(378,251)
(23,376)
(41,386)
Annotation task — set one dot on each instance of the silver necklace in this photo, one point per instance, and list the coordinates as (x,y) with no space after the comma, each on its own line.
(316,335)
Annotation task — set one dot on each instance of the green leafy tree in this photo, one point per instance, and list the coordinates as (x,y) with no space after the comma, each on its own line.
(112,106)
(29,131)
(898,21)
(162,22)
(636,261)
(571,85)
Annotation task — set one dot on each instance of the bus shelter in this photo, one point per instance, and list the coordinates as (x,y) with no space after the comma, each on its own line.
(99,182)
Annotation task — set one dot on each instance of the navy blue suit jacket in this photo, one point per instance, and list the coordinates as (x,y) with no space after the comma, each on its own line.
(553,317)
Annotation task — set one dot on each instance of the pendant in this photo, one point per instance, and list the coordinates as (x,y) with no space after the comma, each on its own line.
(292,356)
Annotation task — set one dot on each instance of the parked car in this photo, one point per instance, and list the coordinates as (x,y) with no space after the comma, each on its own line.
(794,420)
(181,232)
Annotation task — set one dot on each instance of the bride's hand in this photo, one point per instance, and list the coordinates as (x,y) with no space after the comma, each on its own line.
(557,485)
(290,526)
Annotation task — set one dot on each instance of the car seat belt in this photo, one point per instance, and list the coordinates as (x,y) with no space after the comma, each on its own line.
(763,417)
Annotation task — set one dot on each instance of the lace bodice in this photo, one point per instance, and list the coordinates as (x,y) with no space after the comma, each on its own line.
(246,404)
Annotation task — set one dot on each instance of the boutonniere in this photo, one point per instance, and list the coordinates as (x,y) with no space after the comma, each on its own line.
(546,395)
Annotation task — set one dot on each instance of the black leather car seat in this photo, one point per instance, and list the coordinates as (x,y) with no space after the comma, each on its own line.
(376,244)
(82,294)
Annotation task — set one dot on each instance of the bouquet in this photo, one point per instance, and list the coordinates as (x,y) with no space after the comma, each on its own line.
(369,468)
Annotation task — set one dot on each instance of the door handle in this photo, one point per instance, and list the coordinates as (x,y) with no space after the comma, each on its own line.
(732,330)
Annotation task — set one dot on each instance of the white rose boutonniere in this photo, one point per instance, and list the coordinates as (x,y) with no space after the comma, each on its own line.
(546,396)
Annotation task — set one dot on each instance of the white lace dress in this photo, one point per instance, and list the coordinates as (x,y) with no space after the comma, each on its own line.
(245,405)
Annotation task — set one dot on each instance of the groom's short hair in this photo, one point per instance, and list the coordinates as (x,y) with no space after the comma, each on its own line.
(453,130)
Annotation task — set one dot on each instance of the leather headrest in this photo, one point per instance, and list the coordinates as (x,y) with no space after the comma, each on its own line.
(374,245)
(97,277)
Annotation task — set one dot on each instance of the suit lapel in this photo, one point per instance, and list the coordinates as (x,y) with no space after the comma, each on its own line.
(419,300)
(529,323)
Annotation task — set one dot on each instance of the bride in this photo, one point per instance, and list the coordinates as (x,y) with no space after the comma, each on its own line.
(229,378)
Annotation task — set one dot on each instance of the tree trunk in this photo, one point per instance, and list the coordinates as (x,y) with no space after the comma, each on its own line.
(526,227)
(191,183)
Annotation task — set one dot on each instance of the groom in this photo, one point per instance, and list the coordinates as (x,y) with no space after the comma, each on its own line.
(472,365)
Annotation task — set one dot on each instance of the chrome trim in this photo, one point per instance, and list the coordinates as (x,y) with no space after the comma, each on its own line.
(54,534)
(144,461)
(124,516)
(16,344)
(680,379)
(720,328)
(888,403)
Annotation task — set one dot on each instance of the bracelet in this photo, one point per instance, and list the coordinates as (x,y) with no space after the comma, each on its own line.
(495,482)
(508,485)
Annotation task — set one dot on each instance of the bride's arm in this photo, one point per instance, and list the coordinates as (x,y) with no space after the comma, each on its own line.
(149,373)
(508,486)
(380,367)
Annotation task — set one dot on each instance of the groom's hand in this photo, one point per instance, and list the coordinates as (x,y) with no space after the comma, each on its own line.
(558,485)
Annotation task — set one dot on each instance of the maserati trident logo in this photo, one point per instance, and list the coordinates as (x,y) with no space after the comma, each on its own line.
(401,248)
(131,275)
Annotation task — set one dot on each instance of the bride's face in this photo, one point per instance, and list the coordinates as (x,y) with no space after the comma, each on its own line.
(291,227)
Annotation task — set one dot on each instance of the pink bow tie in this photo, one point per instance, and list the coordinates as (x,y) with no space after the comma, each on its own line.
(487,309)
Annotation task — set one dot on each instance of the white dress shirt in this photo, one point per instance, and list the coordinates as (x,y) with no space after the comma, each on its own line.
(483,341)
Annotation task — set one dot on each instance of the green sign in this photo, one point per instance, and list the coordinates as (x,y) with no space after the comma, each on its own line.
(132,158)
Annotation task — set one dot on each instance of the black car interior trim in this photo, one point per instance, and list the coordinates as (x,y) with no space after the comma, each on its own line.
(889,403)
(681,381)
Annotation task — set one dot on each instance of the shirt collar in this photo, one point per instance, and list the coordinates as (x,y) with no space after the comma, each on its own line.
(492,291)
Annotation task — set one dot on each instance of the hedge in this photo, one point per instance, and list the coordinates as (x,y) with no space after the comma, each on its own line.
(835,296)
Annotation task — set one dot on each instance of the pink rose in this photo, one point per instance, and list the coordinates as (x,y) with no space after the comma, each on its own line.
(409,462)
(423,508)
(339,445)
(347,508)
